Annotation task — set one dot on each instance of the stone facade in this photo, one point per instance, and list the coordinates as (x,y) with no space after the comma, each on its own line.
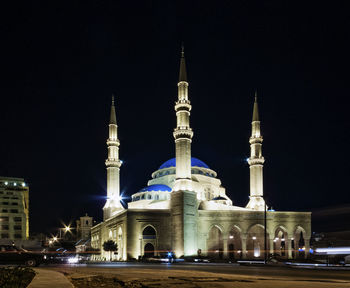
(185,210)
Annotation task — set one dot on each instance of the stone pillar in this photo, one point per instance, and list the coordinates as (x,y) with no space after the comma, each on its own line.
(307,247)
(225,249)
(244,247)
(289,248)
(272,251)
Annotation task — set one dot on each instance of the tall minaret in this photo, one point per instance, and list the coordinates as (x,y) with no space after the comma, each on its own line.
(183,202)
(113,164)
(256,161)
(183,133)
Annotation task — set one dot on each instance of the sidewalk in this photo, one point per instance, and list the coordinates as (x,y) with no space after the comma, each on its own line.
(48,278)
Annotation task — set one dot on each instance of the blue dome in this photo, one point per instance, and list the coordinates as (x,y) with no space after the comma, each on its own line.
(156,187)
(218,198)
(194,163)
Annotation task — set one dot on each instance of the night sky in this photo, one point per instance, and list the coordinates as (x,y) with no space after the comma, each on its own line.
(62,61)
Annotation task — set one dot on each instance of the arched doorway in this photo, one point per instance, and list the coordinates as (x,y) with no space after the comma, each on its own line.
(298,243)
(234,244)
(256,242)
(149,250)
(280,241)
(215,243)
(149,241)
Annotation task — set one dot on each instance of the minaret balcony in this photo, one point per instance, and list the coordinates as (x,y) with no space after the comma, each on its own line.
(256,140)
(183,105)
(113,142)
(256,161)
(185,132)
(113,163)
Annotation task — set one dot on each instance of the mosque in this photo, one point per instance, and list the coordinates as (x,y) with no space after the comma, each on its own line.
(185,210)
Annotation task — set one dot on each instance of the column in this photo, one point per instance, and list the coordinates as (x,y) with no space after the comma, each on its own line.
(272,251)
(244,247)
(307,247)
(289,248)
(225,249)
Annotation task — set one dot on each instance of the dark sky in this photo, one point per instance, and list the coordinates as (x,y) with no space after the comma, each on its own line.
(61,61)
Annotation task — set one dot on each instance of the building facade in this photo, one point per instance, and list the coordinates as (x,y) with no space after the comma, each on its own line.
(14,209)
(184,208)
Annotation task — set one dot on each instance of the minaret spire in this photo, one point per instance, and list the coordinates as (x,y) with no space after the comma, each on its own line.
(183,133)
(113,118)
(256,161)
(256,109)
(183,72)
(113,164)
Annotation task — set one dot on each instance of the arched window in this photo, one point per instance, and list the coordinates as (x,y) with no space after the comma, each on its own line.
(149,233)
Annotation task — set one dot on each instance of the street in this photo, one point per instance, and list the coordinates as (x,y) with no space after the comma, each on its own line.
(203,275)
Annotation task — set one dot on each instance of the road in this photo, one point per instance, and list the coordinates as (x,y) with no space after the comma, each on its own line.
(270,276)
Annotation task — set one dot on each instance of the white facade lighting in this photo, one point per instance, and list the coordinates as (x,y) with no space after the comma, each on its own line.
(6,183)
(231,237)
(15,184)
(254,238)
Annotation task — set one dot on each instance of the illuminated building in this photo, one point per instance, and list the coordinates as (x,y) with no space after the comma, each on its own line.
(184,208)
(14,209)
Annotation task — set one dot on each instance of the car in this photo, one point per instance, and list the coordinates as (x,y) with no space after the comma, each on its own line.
(10,254)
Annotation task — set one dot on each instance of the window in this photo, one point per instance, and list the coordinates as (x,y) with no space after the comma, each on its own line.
(5,197)
(14,210)
(18,219)
(18,236)
(9,193)
(4,211)
(14,197)
(5,203)
(4,218)
(14,203)
(4,235)
(17,227)
(5,227)
(87,222)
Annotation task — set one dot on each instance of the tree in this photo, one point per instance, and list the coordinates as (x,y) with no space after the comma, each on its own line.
(110,246)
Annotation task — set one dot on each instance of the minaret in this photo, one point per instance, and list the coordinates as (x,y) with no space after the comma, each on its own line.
(256,161)
(113,164)
(183,202)
(183,133)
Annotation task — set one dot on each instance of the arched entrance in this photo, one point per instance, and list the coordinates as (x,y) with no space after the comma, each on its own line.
(215,243)
(149,250)
(234,244)
(298,243)
(149,241)
(279,242)
(256,242)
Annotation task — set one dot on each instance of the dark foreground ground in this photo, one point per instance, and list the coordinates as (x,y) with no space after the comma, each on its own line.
(200,275)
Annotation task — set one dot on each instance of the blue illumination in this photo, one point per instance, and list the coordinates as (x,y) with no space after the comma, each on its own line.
(311,251)
(194,163)
(156,187)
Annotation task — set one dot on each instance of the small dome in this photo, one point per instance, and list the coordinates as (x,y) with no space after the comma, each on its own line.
(194,163)
(218,198)
(156,187)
